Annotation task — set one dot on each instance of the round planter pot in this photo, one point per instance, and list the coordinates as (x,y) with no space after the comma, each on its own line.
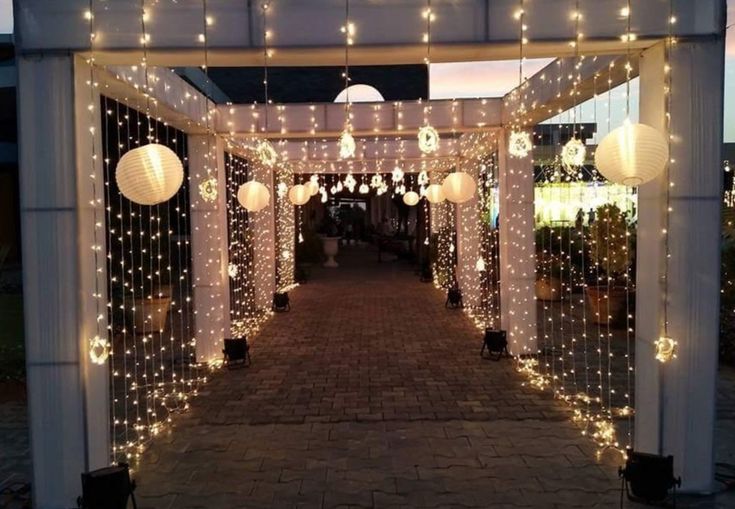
(606,303)
(548,289)
(331,248)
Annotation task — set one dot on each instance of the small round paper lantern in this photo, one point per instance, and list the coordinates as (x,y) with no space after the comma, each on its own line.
(411,198)
(632,154)
(459,187)
(150,174)
(299,194)
(435,193)
(313,187)
(254,196)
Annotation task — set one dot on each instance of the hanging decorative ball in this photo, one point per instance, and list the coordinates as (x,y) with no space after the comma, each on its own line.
(232,270)
(266,153)
(99,350)
(208,189)
(299,194)
(459,187)
(253,196)
(428,139)
(282,189)
(382,189)
(350,182)
(397,174)
(376,181)
(520,144)
(339,186)
(665,349)
(435,193)
(480,264)
(346,145)
(150,174)
(364,188)
(401,189)
(632,154)
(423,178)
(573,154)
(313,187)
(325,196)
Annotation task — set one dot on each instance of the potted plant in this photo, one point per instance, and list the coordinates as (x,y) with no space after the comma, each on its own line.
(329,234)
(609,251)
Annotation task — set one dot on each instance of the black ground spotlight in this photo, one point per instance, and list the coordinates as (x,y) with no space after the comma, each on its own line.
(454,298)
(281,302)
(496,344)
(648,478)
(107,488)
(237,352)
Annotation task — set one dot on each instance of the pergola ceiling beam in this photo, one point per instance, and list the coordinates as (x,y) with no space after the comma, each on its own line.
(465,30)
(551,90)
(327,120)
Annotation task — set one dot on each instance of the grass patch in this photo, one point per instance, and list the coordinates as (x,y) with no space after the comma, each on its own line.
(12,351)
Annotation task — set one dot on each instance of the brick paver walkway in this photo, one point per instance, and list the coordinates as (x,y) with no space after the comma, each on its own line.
(370,394)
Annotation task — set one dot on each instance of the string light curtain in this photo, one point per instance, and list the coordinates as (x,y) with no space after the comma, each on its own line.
(151,323)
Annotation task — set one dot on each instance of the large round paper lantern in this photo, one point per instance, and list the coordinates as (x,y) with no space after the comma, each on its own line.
(150,174)
(254,196)
(459,187)
(632,154)
(313,187)
(299,194)
(435,193)
(411,198)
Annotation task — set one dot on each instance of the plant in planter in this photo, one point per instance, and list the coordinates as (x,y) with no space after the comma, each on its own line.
(609,251)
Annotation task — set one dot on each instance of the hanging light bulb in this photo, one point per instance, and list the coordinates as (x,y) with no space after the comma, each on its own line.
(282,189)
(232,270)
(665,349)
(411,198)
(350,182)
(339,186)
(99,350)
(253,196)
(428,139)
(423,178)
(324,194)
(632,154)
(573,154)
(520,144)
(459,187)
(150,174)
(364,188)
(480,265)
(376,181)
(346,145)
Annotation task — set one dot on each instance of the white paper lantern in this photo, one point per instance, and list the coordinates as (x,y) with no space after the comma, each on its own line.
(254,196)
(150,174)
(459,187)
(435,193)
(299,194)
(632,154)
(313,187)
(411,198)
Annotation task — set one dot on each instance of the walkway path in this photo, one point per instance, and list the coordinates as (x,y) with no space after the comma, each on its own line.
(369,393)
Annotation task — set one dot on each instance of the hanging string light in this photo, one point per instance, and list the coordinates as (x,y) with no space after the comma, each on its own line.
(574,152)
(520,143)
(208,186)
(428,137)
(347,144)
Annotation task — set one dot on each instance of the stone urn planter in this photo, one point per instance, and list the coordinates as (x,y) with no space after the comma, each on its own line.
(331,248)
(606,303)
(548,289)
(151,315)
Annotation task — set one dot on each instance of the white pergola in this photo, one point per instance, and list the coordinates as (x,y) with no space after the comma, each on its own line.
(69,397)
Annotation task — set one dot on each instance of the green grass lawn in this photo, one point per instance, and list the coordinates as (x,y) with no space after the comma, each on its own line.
(12,355)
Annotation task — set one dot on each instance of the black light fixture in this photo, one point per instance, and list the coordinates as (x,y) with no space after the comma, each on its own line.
(107,488)
(281,302)
(454,298)
(648,478)
(237,352)
(496,344)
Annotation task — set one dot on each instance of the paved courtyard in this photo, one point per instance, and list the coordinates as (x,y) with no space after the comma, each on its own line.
(369,393)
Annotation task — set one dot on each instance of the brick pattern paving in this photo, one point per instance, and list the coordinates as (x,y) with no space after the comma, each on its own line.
(369,394)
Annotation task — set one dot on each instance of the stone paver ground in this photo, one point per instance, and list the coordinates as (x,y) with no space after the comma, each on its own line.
(369,393)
